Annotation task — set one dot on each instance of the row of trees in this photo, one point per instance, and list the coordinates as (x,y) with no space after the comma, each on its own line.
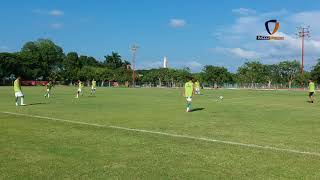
(44,60)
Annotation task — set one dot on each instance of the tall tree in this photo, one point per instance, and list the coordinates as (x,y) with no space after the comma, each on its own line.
(251,72)
(315,72)
(88,61)
(72,66)
(289,71)
(42,57)
(215,75)
(8,64)
(271,74)
(114,61)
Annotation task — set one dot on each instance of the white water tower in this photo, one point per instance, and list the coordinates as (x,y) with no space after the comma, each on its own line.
(165,62)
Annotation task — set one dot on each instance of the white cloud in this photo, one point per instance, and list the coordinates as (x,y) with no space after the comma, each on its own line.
(244,53)
(56,25)
(273,51)
(249,24)
(150,65)
(243,11)
(4,48)
(310,18)
(237,52)
(273,14)
(56,12)
(194,65)
(38,11)
(303,17)
(238,39)
(177,23)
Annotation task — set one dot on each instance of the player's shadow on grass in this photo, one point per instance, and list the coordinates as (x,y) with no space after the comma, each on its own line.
(197,109)
(34,104)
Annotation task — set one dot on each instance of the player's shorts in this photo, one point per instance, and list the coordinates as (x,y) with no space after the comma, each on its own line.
(189,99)
(311,94)
(19,94)
(79,90)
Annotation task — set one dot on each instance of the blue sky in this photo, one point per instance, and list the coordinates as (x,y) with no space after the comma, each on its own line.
(191,33)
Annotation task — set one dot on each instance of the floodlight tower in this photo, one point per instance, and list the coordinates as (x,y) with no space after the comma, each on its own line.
(134,49)
(303,32)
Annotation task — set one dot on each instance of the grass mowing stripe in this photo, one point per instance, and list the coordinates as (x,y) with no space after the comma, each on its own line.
(170,135)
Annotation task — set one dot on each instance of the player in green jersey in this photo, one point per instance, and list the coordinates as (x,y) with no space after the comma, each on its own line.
(188,93)
(48,89)
(312,90)
(17,91)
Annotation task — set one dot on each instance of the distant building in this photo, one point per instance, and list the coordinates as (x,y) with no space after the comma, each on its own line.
(165,62)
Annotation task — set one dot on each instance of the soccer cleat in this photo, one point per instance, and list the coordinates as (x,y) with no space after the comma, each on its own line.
(17,104)
(23,104)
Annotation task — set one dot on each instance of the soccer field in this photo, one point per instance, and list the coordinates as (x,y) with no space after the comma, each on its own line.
(146,134)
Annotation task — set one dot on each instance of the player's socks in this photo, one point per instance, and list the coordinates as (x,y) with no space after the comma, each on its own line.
(188,107)
(22,99)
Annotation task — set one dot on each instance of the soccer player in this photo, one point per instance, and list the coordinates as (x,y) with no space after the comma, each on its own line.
(80,84)
(312,90)
(188,93)
(197,87)
(93,87)
(48,87)
(18,92)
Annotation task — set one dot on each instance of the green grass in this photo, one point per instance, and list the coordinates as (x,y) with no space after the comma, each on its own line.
(34,148)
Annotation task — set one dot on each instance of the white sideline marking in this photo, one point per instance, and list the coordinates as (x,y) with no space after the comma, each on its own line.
(170,135)
(241,98)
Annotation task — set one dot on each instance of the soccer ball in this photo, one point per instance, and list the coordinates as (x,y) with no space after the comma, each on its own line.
(221,97)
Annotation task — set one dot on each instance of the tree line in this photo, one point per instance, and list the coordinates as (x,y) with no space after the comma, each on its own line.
(44,60)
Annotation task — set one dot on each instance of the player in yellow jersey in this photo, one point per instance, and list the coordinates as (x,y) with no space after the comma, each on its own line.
(48,88)
(93,87)
(188,93)
(17,91)
(197,87)
(312,90)
(80,86)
